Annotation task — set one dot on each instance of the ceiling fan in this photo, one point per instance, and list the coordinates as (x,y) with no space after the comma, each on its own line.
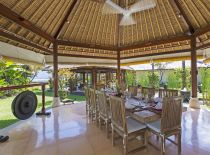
(112,8)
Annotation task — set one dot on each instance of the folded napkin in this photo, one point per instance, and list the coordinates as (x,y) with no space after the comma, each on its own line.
(129,106)
(157,99)
(159,105)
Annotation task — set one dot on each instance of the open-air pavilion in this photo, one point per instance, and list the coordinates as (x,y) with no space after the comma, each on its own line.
(80,32)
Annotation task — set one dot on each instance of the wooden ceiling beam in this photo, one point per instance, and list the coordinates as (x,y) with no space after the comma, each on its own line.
(82,45)
(181,10)
(204,46)
(98,1)
(202,31)
(11,15)
(65,18)
(156,54)
(23,41)
(86,56)
(156,42)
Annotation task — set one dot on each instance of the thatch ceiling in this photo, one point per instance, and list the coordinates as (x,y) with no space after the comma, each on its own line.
(83,30)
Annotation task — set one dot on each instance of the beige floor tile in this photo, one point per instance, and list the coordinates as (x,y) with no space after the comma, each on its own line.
(69,132)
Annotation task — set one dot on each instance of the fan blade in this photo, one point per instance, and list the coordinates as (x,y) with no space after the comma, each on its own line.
(112,8)
(127,20)
(142,5)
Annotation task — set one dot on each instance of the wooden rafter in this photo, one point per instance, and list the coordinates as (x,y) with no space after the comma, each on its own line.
(23,41)
(82,45)
(6,12)
(202,31)
(191,28)
(98,1)
(87,56)
(65,18)
(157,42)
(42,36)
(155,54)
(204,46)
(119,28)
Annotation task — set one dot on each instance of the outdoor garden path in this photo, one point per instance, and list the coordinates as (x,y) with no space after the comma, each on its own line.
(68,132)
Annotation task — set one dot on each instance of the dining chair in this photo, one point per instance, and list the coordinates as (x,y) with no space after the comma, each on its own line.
(93,104)
(104,111)
(170,122)
(133,90)
(172,93)
(167,93)
(126,127)
(148,93)
(161,93)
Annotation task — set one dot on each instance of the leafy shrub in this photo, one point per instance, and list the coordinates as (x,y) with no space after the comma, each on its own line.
(173,82)
(143,81)
(174,79)
(13,74)
(205,81)
(153,79)
(130,77)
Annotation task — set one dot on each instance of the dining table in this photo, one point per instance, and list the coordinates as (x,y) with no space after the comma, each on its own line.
(142,110)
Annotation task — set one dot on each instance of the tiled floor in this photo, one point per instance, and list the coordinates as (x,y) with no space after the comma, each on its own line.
(68,132)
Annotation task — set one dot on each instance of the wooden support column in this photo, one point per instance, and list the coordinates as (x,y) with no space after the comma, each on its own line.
(87,78)
(118,68)
(194,71)
(94,78)
(194,102)
(107,77)
(83,78)
(56,99)
(55,68)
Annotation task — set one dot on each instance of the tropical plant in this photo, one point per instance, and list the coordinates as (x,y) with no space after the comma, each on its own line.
(130,77)
(205,81)
(174,79)
(67,78)
(143,80)
(13,74)
(179,75)
(153,78)
(161,68)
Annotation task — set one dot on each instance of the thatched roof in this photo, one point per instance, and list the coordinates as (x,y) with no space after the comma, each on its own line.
(81,29)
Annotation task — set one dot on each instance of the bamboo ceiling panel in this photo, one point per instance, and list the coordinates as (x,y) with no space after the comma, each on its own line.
(44,14)
(197,11)
(89,25)
(22,32)
(82,21)
(12,42)
(154,24)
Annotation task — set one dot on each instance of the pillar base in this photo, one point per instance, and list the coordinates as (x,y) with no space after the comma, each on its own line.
(194,103)
(56,102)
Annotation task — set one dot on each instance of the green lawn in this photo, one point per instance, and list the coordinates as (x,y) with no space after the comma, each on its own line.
(70,96)
(6,116)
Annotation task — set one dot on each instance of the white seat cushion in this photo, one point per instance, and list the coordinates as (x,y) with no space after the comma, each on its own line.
(154,126)
(134,125)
